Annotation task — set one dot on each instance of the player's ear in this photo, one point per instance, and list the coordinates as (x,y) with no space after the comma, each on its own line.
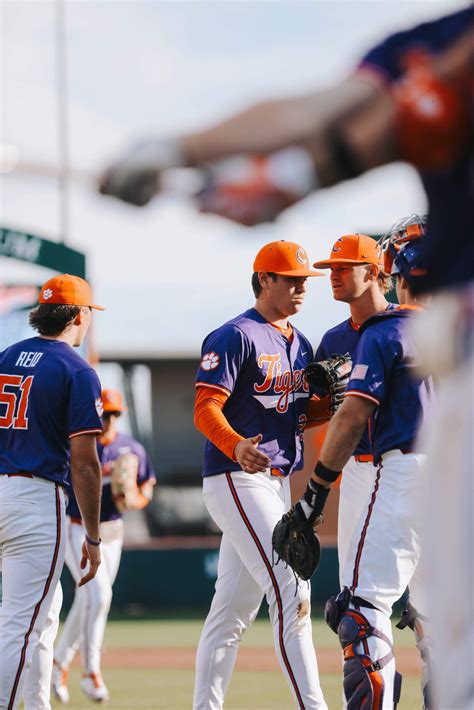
(263,279)
(373,272)
(79,319)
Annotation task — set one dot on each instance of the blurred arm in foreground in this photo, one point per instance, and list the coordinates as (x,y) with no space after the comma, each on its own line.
(408,99)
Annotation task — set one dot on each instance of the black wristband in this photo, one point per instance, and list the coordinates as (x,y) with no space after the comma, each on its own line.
(326,473)
(315,496)
(91,541)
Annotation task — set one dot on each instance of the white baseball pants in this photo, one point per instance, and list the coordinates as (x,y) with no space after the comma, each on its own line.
(247,507)
(357,484)
(85,624)
(32,545)
(384,549)
(37,691)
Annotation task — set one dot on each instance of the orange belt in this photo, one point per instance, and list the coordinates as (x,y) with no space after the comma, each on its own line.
(276,472)
(76,521)
(364,458)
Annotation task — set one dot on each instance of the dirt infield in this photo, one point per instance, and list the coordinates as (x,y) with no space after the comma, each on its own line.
(249,659)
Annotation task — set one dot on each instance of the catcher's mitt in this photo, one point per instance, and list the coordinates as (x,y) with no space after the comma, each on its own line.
(330,377)
(295,541)
(123,481)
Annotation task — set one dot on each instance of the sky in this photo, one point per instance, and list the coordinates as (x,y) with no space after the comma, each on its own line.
(167,275)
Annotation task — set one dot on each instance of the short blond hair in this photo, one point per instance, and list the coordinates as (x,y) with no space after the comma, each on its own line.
(385,282)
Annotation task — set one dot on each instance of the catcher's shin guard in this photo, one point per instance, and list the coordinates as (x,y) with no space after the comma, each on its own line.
(412,618)
(363,684)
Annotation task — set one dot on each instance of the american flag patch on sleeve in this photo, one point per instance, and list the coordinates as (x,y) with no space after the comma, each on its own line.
(359,372)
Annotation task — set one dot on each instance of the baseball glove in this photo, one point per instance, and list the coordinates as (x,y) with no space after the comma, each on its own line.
(295,541)
(123,481)
(330,377)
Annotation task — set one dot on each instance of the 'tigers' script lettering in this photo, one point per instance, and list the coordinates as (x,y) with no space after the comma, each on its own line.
(282,382)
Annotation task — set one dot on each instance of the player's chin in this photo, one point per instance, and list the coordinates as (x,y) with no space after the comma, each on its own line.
(338,294)
(295,306)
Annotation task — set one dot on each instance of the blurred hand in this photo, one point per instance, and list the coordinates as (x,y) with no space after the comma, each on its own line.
(91,554)
(250,459)
(135,177)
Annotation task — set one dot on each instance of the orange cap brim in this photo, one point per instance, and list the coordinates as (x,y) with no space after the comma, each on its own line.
(330,262)
(97,308)
(299,272)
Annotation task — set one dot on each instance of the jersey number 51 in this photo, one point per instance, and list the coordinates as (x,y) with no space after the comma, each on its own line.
(14,401)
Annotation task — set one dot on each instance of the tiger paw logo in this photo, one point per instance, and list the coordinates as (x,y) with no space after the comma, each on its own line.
(210,361)
(47,293)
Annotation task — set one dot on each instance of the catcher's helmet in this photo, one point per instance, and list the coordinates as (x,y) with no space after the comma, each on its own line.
(405,230)
(409,261)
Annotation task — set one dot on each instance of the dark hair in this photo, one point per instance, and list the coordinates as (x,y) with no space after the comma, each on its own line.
(256,285)
(52,318)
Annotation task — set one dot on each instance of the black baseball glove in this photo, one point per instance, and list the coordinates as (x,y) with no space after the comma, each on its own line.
(296,542)
(295,539)
(330,377)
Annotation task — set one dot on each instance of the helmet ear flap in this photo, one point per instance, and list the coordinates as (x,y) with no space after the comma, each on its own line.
(389,256)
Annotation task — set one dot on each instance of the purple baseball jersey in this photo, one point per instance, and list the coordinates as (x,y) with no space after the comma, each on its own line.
(342,339)
(450,192)
(108,453)
(262,372)
(384,372)
(48,394)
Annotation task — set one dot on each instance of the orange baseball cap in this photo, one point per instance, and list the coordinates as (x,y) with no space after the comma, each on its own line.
(68,290)
(353,249)
(112,401)
(284,258)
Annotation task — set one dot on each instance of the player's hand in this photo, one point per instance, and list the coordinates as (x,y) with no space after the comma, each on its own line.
(91,554)
(250,459)
(135,177)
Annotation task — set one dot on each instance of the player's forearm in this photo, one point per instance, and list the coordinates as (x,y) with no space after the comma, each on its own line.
(86,480)
(274,124)
(213,424)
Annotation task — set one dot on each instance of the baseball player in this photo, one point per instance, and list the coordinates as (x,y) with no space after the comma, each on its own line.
(384,550)
(357,278)
(252,405)
(50,409)
(85,624)
(409,98)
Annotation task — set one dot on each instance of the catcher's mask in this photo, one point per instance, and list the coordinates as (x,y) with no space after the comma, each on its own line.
(405,230)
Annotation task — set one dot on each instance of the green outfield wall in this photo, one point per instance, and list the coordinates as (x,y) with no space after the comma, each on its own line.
(154,579)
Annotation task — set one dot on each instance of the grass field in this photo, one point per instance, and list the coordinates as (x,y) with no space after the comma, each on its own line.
(167,682)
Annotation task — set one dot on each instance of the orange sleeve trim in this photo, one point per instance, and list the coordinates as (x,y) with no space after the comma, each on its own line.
(85,431)
(355,393)
(319,411)
(211,421)
(219,388)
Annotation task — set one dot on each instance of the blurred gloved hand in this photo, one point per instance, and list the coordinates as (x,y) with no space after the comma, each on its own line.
(135,177)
